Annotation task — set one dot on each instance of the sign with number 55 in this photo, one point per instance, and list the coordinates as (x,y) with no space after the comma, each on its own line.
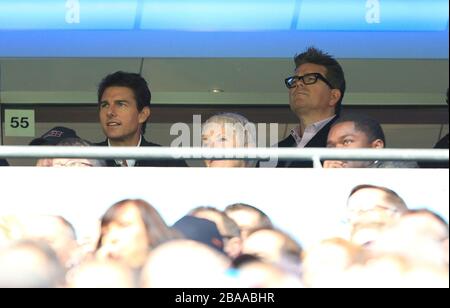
(19,123)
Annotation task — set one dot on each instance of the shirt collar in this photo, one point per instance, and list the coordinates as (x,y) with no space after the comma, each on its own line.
(138,145)
(312,129)
(130,162)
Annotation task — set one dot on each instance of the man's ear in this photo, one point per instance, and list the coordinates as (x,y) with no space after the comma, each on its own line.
(144,115)
(378,144)
(335,97)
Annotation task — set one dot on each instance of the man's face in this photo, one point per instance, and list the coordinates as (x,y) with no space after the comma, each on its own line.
(345,135)
(246,220)
(316,97)
(71,162)
(119,116)
(369,205)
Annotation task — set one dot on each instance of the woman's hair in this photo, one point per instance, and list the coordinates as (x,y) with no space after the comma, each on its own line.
(244,130)
(157,230)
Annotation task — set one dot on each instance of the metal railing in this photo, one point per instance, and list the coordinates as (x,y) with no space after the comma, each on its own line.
(262,154)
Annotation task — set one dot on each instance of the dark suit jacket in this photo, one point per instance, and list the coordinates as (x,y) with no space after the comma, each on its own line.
(147,163)
(442,144)
(3,163)
(318,141)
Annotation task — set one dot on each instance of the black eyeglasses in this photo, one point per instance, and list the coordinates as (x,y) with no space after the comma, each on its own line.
(306,79)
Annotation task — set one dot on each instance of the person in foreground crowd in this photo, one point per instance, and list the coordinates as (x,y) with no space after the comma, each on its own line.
(228,228)
(30,264)
(129,230)
(124,108)
(4,163)
(370,209)
(200,230)
(316,91)
(357,131)
(248,218)
(410,250)
(102,274)
(274,247)
(229,130)
(54,231)
(180,263)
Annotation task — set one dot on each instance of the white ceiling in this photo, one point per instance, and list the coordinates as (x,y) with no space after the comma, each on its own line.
(245,81)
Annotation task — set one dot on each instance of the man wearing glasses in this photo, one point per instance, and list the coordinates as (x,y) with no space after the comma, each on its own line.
(315,96)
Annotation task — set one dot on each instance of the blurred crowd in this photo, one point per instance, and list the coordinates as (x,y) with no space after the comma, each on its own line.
(388,245)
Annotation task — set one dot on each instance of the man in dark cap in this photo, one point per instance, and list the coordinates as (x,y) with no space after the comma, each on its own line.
(200,230)
(54,136)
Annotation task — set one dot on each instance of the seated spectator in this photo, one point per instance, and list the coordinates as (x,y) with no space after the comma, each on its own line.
(424,222)
(370,208)
(54,136)
(28,264)
(55,231)
(274,247)
(248,218)
(129,230)
(229,230)
(107,274)
(420,236)
(229,130)
(186,264)
(258,274)
(368,198)
(124,109)
(63,136)
(200,230)
(325,263)
(355,131)
(75,162)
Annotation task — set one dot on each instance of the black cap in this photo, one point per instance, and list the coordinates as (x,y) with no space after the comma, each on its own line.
(200,230)
(54,136)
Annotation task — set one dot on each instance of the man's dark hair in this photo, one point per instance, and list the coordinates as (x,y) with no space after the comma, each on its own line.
(335,73)
(365,124)
(133,81)
(264,220)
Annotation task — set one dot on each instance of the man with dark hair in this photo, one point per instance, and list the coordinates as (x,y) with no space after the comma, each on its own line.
(54,136)
(248,218)
(124,108)
(359,131)
(51,138)
(316,92)
(71,162)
